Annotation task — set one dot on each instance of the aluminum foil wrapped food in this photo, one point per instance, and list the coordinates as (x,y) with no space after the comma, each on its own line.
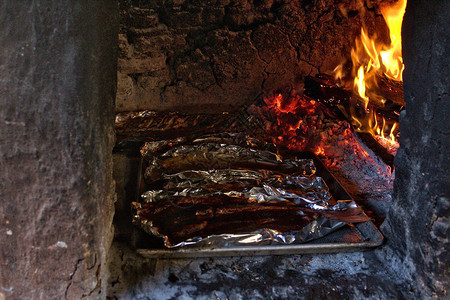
(145,126)
(227,190)
(260,186)
(222,220)
(153,148)
(210,156)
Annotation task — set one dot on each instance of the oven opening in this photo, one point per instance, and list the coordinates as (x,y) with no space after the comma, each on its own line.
(249,131)
(298,162)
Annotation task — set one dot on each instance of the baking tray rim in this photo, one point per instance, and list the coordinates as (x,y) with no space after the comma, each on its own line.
(261,250)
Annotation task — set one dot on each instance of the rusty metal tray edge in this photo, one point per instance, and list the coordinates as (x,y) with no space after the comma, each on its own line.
(368,231)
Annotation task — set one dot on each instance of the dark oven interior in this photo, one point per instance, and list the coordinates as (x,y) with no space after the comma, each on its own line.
(286,73)
(203,82)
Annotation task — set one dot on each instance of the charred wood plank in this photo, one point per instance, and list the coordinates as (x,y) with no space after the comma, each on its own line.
(378,149)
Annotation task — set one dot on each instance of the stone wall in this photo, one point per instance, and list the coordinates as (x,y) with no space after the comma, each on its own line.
(219,54)
(58,65)
(417,226)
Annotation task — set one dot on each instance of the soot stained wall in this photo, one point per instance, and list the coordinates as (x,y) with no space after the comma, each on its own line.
(58,65)
(417,226)
(219,54)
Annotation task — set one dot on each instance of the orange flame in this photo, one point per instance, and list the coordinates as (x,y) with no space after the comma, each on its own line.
(371,58)
(392,57)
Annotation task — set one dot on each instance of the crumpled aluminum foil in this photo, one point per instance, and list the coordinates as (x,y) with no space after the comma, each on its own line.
(260,186)
(153,148)
(210,156)
(236,138)
(213,168)
(235,152)
(265,236)
(198,178)
(267,193)
(191,183)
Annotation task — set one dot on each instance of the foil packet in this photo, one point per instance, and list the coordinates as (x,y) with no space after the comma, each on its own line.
(209,156)
(259,186)
(154,148)
(228,189)
(317,228)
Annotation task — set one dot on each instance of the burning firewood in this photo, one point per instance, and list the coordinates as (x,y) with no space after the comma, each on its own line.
(350,107)
(391,90)
(325,89)
(377,148)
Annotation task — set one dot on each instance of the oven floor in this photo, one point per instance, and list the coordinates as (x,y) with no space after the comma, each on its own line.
(356,275)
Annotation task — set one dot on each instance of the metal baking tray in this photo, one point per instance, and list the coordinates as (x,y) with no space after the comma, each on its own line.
(352,237)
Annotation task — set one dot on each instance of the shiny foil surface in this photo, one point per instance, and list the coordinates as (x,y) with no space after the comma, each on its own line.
(229,190)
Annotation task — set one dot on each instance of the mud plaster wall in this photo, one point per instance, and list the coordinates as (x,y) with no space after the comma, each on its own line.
(58,65)
(192,55)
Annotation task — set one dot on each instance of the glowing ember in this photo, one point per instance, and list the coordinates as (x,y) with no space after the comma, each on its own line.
(319,151)
(372,59)
(390,145)
(301,124)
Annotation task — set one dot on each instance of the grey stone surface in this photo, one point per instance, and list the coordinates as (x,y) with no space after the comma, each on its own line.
(417,226)
(219,54)
(57,86)
(327,276)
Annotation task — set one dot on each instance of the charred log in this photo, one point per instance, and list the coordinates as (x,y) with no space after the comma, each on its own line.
(392,90)
(326,90)
(347,106)
(378,149)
